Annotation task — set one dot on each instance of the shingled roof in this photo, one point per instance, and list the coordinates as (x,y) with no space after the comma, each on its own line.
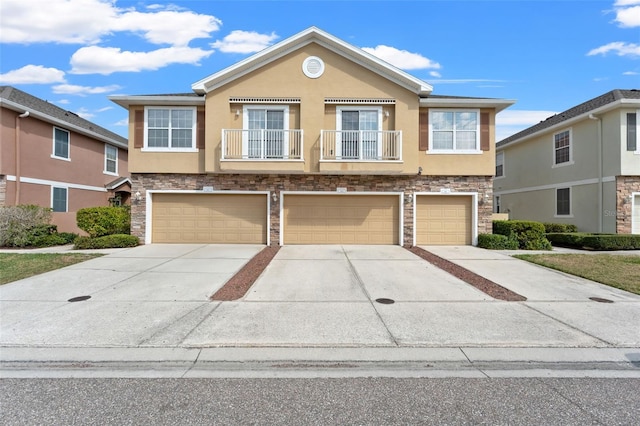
(17,100)
(583,108)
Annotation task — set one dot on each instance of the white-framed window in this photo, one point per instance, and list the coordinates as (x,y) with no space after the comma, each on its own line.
(59,199)
(110,159)
(265,133)
(500,164)
(454,131)
(60,144)
(170,129)
(563,201)
(562,149)
(360,130)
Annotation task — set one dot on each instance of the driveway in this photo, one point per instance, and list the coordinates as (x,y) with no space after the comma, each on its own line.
(324,296)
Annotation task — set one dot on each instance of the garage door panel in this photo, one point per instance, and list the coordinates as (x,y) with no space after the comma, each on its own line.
(341,219)
(443,220)
(209,218)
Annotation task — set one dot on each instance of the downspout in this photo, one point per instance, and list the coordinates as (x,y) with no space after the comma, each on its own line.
(600,171)
(17,139)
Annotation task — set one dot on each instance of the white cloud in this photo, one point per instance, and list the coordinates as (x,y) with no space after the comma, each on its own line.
(626,2)
(33,74)
(402,59)
(104,109)
(72,89)
(468,80)
(514,117)
(620,48)
(239,41)
(88,21)
(107,60)
(630,73)
(628,17)
(123,122)
(84,113)
(435,74)
(64,101)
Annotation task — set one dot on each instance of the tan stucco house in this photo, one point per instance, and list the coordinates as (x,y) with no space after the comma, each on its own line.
(311,141)
(581,166)
(53,158)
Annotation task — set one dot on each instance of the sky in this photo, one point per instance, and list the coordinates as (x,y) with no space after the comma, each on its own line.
(547,55)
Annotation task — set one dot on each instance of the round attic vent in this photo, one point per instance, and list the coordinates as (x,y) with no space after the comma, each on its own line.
(313,67)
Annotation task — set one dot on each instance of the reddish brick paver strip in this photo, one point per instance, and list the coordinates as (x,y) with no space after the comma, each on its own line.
(481,283)
(242,281)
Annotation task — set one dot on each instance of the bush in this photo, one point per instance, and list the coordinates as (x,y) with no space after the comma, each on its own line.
(107,241)
(101,221)
(497,242)
(559,227)
(16,221)
(529,235)
(584,240)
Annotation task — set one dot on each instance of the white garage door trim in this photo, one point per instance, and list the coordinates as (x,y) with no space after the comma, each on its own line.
(400,196)
(635,213)
(474,211)
(149,208)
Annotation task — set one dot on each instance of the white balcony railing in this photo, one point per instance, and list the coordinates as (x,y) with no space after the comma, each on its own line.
(361,145)
(239,144)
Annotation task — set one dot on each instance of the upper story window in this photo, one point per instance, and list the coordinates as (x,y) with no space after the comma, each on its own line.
(454,131)
(562,148)
(360,129)
(500,164)
(170,129)
(60,144)
(59,199)
(632,132)
(110,159)
(266,127)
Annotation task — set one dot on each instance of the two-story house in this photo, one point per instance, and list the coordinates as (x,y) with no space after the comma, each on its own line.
(53,158)
(581,166)
(311,141)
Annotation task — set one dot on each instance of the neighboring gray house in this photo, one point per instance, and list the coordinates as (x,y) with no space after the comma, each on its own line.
(581,166)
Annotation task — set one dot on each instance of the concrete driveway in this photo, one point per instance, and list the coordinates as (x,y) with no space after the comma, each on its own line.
(323,296)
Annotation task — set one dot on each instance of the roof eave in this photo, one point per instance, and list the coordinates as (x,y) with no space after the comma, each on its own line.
(497,104)
(127,101)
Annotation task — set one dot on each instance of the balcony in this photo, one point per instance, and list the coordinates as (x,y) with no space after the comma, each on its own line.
(262,150)
(361,151)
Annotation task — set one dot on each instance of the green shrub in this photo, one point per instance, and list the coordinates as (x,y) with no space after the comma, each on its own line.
(530,235)
(585,240)
(16,221)
(107,241)
(101,221)
(497,242)
(559,227)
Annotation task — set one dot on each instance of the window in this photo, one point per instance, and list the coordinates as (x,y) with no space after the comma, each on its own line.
(60,143)
(359,133)
(265,133)
(632,132)
(496,205)
(59,199)
(500,164)
(170,129)
(563,201)
(454,131)
(562,147)
(110,159)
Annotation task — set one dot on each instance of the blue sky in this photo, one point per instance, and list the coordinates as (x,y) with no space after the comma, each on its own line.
(546,55)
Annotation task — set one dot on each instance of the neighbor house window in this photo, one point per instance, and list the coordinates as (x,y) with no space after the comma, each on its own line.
(59,199)
(562,147)
(60,143)
(360,130)
(111,159)
(454,131)
(500,164)
(170,128)
(563,201)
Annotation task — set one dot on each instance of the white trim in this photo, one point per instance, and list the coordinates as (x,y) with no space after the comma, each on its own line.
(503,175)
(53,148)
(400,196)
(105,171)
(556,185)
(555,204)
(149,210)
(160,100)
(305,67)
(464,103)
(431,150)
(244,100)
(474,212)
(66,201)
(360,101)
(46,182)
(194,130)
(635,227)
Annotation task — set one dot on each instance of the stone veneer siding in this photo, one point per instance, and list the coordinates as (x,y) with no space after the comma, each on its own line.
(625,187)
(361,183)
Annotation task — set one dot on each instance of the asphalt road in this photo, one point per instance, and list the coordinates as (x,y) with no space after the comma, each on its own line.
(363,401)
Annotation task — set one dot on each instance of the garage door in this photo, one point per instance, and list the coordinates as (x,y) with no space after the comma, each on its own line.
(341,219)
(443,220)
(209,218)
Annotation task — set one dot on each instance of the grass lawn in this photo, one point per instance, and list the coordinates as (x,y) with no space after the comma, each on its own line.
(618,271)
(17,266)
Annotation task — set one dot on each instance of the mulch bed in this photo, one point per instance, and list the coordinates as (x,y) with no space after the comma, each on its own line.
(240,283)
(487,286)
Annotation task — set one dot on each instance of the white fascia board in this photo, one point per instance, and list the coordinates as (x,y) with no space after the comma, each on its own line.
(498,104)
(301,39)
(65,124)
(127,101)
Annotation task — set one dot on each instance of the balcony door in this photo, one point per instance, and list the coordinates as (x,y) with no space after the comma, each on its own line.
(359,133)
(265,132)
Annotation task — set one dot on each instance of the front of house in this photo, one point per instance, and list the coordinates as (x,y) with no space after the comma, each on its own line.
(311,141)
